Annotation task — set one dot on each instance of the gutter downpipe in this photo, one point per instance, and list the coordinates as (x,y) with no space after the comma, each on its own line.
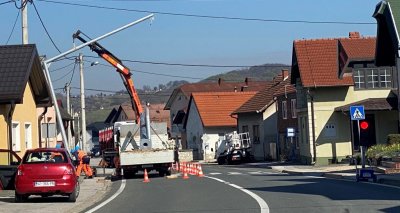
(313,128)
(10,113)
(40,126)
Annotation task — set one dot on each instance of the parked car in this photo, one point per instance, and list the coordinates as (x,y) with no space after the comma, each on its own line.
(46,172)
(9,161)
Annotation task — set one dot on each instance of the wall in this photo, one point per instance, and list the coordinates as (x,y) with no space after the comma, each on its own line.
(25,113)
(180,102)
(270,130)
(3,126)
(338,142)
(194,131)
(250,119)
(49,117)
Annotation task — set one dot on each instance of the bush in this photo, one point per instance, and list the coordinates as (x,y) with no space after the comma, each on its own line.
(393,139)
(380,150)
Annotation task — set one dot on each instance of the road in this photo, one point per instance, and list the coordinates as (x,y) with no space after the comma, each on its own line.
(244,189)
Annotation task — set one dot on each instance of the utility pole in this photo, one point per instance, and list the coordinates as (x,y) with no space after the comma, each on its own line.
(69,135)
(24,18)
(83,114)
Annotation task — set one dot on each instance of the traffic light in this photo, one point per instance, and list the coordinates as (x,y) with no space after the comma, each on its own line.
(364,133)
(364,125)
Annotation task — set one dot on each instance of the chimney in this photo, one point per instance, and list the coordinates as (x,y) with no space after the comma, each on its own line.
(220,81)
(353,35)
(247,80)
(243,88)
(285,74)
(235,89)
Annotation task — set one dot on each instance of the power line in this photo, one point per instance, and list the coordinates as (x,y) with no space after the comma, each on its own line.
(198,65)
(45,29)
(12,30)
(6,2)
(114,91)
(211,17)
(73,72)
(62,67)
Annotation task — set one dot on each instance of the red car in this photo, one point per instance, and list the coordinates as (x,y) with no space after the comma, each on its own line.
(46,172)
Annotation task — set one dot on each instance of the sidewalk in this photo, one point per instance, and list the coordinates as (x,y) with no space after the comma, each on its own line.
(91,191)
(337,171)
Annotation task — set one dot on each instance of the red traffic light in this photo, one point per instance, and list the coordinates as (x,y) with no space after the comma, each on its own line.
(364,125)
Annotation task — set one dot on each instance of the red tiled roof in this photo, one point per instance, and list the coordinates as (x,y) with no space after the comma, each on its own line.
(264,97)
(215,108)
(318,59)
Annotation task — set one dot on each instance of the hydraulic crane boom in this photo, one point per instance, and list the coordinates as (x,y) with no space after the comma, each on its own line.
(121,69)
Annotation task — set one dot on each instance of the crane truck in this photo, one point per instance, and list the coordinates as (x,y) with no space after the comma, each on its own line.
(236,148)
(135,154)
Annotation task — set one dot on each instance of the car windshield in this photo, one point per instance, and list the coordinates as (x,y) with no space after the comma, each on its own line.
(45,157)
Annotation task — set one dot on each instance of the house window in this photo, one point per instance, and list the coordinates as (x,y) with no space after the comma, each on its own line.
(256,134)
(28,136)
(16,142)
(245,128)
(372,78)
(294,113)
(284,110)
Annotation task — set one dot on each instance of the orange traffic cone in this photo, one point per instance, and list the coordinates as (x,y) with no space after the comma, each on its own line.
(185,175)
(200,172)
(146,178)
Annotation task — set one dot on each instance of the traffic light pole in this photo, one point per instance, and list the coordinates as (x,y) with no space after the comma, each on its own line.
(362,148)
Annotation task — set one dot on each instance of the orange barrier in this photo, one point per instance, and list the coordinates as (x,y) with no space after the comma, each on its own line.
(185,175)
(146,177)
(200,171)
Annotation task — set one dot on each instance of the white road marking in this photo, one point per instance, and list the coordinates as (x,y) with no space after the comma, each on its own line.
(121,188)
(234,173)
(263,205)
(214,173)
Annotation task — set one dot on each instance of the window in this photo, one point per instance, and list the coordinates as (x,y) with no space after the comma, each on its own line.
(28,136)
(294,113)
(16,142)
(284,110)
(372,78)
(256,133)
(245,128)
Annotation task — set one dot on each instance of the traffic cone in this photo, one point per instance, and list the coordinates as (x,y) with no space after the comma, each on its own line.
(185,175)
(200,172)
(146,177)
(197,167)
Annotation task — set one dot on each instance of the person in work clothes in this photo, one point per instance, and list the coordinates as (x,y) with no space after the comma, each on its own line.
(84,161)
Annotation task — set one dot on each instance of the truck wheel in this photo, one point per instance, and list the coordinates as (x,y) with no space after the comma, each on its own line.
(221,160)
(161,173)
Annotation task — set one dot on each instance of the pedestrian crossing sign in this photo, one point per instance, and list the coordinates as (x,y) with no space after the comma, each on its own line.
(357,113)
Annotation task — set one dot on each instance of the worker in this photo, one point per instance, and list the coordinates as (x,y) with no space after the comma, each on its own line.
(117,164)
(84,161)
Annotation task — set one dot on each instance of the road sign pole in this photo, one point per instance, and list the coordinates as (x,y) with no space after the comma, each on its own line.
(362,147)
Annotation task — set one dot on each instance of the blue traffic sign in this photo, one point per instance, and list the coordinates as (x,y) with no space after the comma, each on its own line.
(357,113)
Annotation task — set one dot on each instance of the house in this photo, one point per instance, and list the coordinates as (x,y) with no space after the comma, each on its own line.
(178,101)
(288,143)
(209,119)
(259,117)
(326,133)
(23,89)
(387,14)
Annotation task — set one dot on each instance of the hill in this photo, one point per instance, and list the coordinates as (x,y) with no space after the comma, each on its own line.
(98,106)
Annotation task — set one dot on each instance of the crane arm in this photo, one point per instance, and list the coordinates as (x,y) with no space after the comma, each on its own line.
(121,69)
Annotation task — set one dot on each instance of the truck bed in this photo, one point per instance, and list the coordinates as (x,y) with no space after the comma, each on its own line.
(151,156)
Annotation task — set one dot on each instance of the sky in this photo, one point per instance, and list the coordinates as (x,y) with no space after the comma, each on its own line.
(194,32)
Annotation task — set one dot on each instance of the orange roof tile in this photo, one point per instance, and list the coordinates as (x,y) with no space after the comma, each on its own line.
(318,59)
(215,108)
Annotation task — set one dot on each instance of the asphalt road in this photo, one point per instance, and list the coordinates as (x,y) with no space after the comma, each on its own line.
(244,189)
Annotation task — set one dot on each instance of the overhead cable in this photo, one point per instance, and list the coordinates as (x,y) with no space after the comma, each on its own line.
(12,30)
(210,17)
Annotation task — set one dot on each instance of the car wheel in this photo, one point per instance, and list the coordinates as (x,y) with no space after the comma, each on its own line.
(221,160)
(20,198)
(161,173)
(74,195)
